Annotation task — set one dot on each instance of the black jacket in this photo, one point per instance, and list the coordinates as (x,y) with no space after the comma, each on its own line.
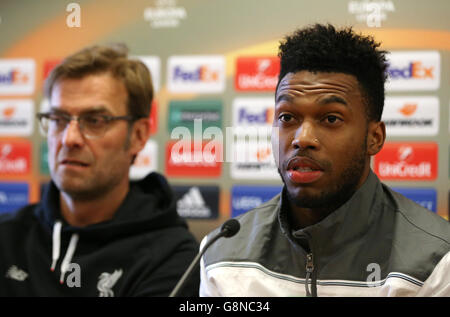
(142,251)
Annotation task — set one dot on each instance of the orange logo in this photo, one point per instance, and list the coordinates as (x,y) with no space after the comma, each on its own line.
(263,154)
(8,112)
(408,109)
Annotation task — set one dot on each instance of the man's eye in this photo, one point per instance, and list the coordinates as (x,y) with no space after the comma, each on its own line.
(332,119)
(94,120)
(58,120)
(285,117)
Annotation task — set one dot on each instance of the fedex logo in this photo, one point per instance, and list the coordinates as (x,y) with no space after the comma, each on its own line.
(202,73)
(407,161)
(414,70)
(17,76)
(196,74)
(257,73)
(253,111)
(261,117)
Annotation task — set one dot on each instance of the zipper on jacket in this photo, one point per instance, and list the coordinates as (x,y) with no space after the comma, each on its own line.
(309,270)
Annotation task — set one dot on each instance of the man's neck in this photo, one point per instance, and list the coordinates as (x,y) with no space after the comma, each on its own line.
(305,217)
(84,212)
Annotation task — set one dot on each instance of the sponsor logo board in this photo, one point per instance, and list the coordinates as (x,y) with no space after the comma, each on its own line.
(253,160)
(48,67)
(183,114)
(17,76)
(257,73)
(197,202)
(413,70)
(15,157)
(193,159)
(196,74)
(408,116)
(245,198)
(13,196)
(407,161)
(253,111)
(44,158)
(16,117)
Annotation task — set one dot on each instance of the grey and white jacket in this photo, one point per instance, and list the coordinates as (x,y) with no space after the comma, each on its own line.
(379,243)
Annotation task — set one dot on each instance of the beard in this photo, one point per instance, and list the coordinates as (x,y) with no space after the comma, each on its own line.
(333,197)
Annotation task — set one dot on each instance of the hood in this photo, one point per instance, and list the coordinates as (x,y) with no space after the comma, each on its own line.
(148,206)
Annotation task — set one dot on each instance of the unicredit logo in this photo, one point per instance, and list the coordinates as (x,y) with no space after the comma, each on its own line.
(200,74)
(407,161)
(257,73)
(402,169)
(15,158)
(414,70)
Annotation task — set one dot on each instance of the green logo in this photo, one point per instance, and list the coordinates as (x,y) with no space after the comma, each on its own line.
(183,114)
(44,158)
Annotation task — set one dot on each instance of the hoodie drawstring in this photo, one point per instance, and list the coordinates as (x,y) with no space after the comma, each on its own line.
(56,249)
(56,243)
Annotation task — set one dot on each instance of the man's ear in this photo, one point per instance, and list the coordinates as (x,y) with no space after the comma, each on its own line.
(140,135)
(375,137)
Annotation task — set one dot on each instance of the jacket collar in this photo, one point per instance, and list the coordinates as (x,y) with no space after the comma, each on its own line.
(341,227)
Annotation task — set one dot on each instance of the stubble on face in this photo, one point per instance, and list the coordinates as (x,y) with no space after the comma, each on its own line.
(333,198)
(106,158)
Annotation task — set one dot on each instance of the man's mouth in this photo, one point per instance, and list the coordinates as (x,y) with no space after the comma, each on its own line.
(303,170)
(72,162)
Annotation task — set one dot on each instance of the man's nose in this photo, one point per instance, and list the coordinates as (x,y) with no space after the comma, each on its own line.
(305,137)
(72,136)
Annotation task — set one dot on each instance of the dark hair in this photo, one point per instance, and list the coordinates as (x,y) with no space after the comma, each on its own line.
(322,48)
(113,59)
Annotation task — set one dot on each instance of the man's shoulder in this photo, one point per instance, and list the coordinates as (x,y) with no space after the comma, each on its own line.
(419,220)
(258,226)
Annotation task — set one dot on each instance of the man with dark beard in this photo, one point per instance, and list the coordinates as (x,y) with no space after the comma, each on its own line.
(335,230)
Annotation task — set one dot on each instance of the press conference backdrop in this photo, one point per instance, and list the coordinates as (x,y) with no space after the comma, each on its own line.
(216,60)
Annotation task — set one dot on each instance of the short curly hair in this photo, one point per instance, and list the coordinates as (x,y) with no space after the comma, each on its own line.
(323,48)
